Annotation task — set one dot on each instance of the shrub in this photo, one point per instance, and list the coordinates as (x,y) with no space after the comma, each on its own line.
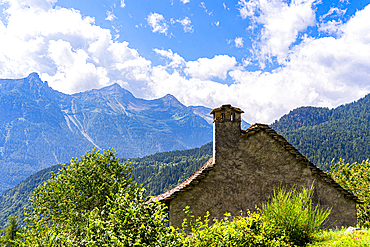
(292,214)
(355,178)
(239,231)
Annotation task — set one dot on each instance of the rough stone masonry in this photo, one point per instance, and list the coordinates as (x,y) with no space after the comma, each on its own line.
(247,166)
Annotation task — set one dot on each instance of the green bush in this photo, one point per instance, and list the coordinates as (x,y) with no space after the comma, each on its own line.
(355,178)
(132,220)
(292,214)
(237,231)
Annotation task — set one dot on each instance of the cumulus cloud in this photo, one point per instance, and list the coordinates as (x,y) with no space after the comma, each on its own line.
(176,59)
(325,71)
(239,42)
(67,50)
(205,68)
(73,54)
(281,23)
(184,1)
(186,24)
(157,23)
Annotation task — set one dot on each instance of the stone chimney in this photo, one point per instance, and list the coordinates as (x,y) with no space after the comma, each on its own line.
(226,129)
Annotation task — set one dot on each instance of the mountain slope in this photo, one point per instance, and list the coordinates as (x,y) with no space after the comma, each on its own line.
(40,127)
(323,135)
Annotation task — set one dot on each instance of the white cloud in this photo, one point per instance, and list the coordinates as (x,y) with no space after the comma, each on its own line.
(205,68)
(239,42)
(73,55)
(186,24)
(176,59)
(321,72)
(123,3)
(110,16)
(331,27)
(184,1)
(216,23)
(67,50)
(157,23)
(281,24)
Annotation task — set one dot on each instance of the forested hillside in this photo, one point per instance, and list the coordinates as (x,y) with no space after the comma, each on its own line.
(323,134)
(158,172)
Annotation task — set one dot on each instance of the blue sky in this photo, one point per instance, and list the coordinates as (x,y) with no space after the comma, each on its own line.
(266,57)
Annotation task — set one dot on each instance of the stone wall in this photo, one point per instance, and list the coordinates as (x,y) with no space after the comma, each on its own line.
(246,171)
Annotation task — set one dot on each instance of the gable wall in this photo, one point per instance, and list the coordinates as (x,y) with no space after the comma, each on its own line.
(246,172)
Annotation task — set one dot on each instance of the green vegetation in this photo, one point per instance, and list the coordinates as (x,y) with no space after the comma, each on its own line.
(323,135)
(158,173)
(10,233)
(355,178)
(293,213)
(93,202)
(163,171)
(338,238)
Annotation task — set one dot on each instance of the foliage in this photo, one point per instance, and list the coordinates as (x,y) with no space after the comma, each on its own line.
(293,214)
(338,238)
(158,173)
(163,171)
(322,134)
(238,231)
(11,233)
(355,178)
(65,201)
(132,220)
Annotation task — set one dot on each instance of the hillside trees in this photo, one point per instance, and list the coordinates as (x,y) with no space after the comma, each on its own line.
(84,198)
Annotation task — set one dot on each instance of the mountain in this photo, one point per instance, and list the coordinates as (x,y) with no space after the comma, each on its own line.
(323,134)
(157,172)
(40,127)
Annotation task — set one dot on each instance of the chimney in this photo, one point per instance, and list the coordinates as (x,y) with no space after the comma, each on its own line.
(226,128)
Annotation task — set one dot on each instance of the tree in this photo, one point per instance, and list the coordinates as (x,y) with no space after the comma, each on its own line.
(94,202)
(9,234)
(355,178)
(63,204)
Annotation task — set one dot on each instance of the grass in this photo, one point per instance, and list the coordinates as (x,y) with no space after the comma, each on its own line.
(338,238)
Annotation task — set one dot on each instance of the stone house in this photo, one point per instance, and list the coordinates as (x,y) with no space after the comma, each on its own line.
(246,167)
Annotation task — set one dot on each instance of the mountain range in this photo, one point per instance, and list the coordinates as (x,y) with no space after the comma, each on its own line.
(40,127)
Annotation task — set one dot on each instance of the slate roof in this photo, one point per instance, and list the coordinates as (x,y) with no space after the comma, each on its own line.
(202,172)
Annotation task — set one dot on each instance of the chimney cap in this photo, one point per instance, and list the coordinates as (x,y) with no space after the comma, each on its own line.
(226,107)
